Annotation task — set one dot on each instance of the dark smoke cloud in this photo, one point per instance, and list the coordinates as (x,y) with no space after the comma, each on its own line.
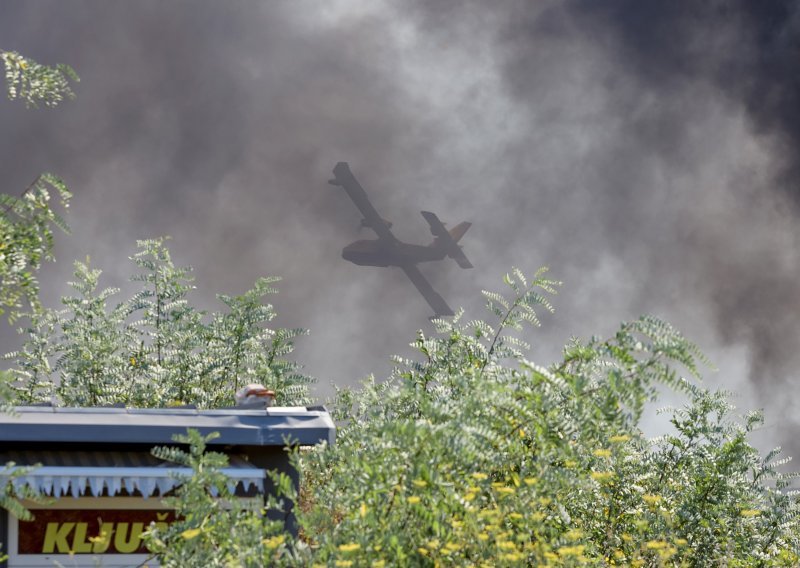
(648,152)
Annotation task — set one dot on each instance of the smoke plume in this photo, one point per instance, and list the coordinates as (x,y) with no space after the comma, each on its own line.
(648,152)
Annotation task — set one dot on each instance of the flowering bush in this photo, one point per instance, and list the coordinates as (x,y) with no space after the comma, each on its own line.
(469,454)
(474,455)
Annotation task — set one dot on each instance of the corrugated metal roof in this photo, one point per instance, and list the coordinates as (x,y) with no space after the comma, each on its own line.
(97,459)
(265,427)
(60,473)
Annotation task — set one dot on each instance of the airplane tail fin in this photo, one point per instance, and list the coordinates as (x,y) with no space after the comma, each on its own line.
(458,231)
(448,240)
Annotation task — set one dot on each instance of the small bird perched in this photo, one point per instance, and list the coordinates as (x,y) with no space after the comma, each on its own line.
(254,395)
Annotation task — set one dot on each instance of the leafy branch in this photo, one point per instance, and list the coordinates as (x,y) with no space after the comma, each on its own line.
(35,83)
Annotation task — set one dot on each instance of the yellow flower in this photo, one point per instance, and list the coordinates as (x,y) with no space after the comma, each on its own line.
(573,534)
(452,547)
(570,463)
(512,556)
(483,536)
(422,551)
(362,510)
(505,490)
(514,516)
(656,544)
(349,547)
(343,563)
(506,545)
(274,542)
(651,499)
(537,516)
(420,483)
(530,481)
(750,513)
(433,544)
(619,439)
(571,550)
(681,541)
(99,538)
(602,453)
(480,476)
(189,534)
(413,499)
(378,563)
(602,476)
(469,496)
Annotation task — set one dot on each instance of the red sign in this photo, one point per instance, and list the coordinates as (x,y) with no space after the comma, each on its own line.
(86,531)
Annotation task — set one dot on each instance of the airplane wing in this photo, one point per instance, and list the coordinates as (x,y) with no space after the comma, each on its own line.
(344,177)
(433,298)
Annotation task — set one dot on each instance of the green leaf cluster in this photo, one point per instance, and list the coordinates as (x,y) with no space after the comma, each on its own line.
(35,83)
(26,240)
(215,528)
(13,492)
(154,349)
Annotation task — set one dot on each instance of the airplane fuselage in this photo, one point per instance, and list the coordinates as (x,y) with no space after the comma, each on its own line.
(372,252)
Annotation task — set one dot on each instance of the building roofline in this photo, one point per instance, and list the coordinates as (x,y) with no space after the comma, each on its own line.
(274,426)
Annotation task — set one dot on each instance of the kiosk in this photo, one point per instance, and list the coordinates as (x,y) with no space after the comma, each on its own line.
(96,465)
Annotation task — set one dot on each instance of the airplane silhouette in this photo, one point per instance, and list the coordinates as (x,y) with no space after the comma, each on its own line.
(386,250)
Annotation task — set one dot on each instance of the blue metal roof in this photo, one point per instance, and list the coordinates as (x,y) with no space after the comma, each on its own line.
(273,426)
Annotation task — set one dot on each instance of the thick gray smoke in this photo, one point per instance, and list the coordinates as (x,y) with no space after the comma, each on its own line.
(648,152)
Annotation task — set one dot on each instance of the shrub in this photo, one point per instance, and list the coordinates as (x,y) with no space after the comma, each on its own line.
(473,455)
(155,349)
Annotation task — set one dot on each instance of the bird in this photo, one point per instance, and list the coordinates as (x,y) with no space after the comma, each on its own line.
(256,395)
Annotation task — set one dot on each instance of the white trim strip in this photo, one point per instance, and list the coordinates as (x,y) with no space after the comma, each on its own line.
(79,481)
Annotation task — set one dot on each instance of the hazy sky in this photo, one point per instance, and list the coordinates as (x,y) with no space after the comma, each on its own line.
(648,152)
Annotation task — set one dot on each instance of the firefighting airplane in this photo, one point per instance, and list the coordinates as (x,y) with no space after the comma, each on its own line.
(386,250)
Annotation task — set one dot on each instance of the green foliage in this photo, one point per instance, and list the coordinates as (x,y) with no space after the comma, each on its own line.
(476,456)
(26,240)
(469,454)
(473,455)
(214,528)
(6,391)
(26,227)
(35,83)
(154,349)
(11,494)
